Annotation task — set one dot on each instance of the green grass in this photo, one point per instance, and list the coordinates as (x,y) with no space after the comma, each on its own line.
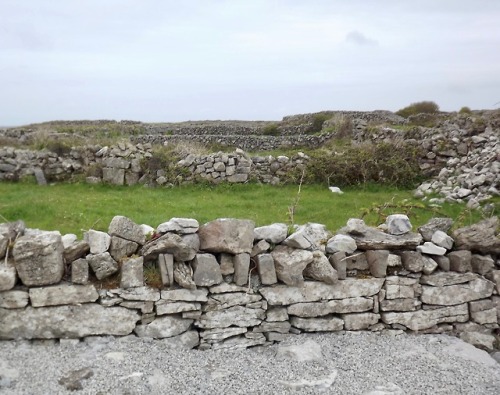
(72,208)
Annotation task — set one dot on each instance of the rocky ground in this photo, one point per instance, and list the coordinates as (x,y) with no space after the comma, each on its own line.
(342,363)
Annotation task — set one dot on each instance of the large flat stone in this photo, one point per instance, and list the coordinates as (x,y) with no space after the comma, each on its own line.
(186,295)
(318,309)
(290,263)
(62,294)
(358,321)
(449,295)
(162,327)
(329,324)
(425,319)
(441,279)
(66,322)
(126,229)
(374,239)
(169,243)
(311,291)
(14,299)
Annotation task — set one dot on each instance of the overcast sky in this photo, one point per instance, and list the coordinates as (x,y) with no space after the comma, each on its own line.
(162,60)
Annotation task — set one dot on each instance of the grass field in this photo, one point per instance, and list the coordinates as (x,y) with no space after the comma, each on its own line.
(72,208)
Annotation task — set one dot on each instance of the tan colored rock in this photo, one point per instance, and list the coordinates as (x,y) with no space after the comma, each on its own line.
(320,269)
(162,327)
(327,324)
(229,235)
(478,288)
(290,263)
(62,294)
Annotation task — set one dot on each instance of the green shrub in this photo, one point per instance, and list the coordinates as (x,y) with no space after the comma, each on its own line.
(465,110)
(423,107)
(384,163)
(60,148)
(317,123)
(271,130)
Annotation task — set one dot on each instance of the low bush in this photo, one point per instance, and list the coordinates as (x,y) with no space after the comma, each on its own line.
(271,130)
(384,163)
(423,107)
(465,110)
(317,123)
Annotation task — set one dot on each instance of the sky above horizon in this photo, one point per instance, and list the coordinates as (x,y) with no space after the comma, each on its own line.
(155,60)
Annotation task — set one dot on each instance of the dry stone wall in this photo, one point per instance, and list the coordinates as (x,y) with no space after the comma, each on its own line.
(228,284)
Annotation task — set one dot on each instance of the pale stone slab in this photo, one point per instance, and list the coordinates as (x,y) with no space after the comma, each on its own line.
(266,269)
(186,295)
(179,225)
(169,243)
(457,294)
(318,309)
(400,305)
(103,265)
(164,307)
(144,294)
(66,322)
(277,314)
(398,224)
(226,300)
(425,319)
(62,294)
(320,269)
(241,268)
(341,243)
(80,271)
(237,316)
(442,239)
(218,334)
(431,249)
(313,291)
(14,299)
(206,270)
(166,326)
(441,279)
(184,341)
(225,287)
(166,266)
(318,324)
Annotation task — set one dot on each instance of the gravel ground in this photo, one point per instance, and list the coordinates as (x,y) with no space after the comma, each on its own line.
(347,363)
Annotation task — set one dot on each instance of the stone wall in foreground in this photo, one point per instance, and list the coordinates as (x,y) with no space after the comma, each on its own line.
(228,284)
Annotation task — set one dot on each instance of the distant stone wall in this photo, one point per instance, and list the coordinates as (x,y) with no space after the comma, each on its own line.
(227,284)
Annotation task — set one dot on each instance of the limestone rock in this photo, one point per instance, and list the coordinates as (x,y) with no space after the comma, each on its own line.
(66,322)
(180,226)
(442,279)
(239,342)
(338,262)
(484,341)
(62,294)
(218,334)
(266,269)
(165,326)
(357,261)
(206,270)
(226,264)
(430,265)
(121,248)
(377,261)
(126,229)
(435,224)
(142,294)
(327,324)
(75,251)
(342,306)
(260,247)
(226,288)
(481,237)
(431,249)
(425,319)
(412,261)
(320,269)
(185,295)
(449,295)
(229,235)
(132,273)
(241,268)
(482,264)
(309,236)
(274,233)
(494,276)
(277,314)
(166,307)
(398,224)
(441,239)
(290,263)
(39,259)
(226,300)
(400,304)
(341,243)
(374,239)
(169,243)
(166,267)
(192,240)
(237,316)
(102,265)
(358,321)
(8,277)
(98,241)
(15,299)
(460,261)
(80,271)
(312,291)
